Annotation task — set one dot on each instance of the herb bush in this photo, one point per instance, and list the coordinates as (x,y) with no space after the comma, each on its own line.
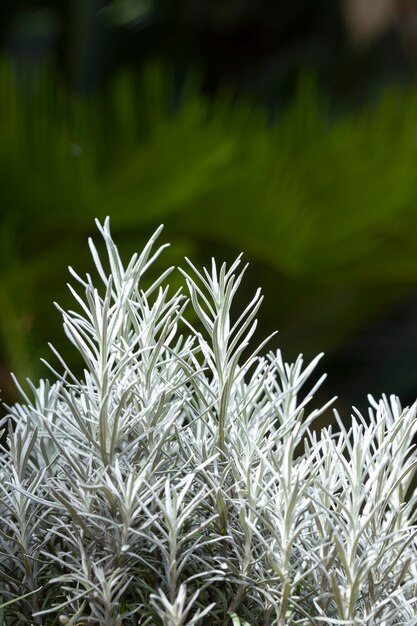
(180,481)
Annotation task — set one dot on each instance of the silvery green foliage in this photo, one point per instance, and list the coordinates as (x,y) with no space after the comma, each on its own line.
(179,481)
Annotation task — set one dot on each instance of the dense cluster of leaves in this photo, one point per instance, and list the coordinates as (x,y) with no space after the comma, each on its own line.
(179,481)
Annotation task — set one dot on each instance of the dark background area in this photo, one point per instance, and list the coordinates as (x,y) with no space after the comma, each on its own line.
(253,46)
(284,129)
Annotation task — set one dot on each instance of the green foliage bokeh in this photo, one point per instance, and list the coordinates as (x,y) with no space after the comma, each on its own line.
(323,205)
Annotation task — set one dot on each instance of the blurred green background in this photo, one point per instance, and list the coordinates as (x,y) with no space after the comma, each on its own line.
(286,130)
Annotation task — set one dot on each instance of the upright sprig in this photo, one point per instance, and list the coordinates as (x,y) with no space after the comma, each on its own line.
(226,340)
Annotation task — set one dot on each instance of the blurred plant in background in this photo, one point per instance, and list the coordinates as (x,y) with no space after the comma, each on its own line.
(323,204)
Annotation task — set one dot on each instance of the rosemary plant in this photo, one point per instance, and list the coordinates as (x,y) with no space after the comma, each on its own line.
(179,481)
